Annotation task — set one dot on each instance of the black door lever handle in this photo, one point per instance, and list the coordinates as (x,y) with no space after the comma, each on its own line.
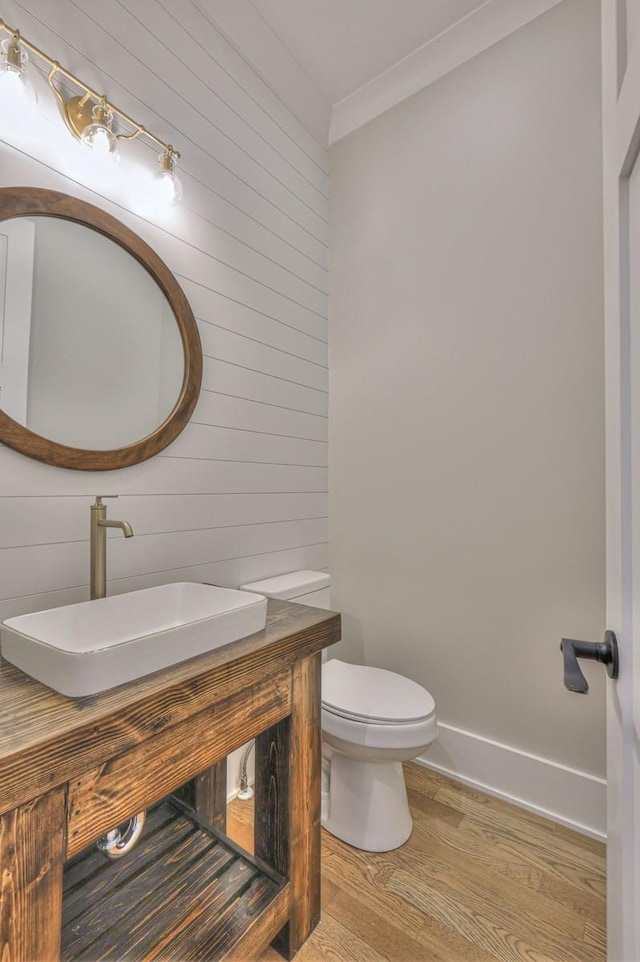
(606,652)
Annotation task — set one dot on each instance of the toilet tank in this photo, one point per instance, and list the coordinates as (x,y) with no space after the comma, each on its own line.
(305,587)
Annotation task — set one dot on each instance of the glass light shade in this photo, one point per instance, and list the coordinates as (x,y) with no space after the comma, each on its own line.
(168,188)
(149,196)
(153,193)
(14,78)
(99,136)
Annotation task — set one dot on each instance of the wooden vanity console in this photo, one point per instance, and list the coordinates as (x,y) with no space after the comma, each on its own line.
(72,769)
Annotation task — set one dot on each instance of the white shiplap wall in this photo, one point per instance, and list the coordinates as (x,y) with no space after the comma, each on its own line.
(241,494)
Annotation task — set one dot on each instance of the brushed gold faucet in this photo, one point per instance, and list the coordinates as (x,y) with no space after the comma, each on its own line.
(99,524)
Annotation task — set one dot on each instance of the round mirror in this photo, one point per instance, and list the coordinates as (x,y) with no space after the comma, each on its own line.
(101,361)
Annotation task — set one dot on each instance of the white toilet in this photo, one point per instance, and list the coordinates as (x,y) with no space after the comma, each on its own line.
(372,721)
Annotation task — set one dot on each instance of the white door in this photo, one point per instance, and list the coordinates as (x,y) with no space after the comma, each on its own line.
(621,128)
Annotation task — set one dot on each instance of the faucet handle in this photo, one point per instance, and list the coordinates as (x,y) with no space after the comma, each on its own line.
(99,497)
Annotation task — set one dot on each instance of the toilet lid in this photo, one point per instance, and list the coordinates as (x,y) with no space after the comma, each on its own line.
(373,694)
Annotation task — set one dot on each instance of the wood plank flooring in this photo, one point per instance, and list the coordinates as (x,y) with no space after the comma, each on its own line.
(479,880)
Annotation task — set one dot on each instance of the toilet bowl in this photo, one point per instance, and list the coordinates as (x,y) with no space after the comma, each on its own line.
(372,721)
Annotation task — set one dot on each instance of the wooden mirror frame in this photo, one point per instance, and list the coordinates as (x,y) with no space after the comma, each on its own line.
(32,201)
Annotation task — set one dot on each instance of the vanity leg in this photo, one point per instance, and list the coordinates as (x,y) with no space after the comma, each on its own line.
(32,842)
(305,766)
(207,795)
(210,790)
(287,820)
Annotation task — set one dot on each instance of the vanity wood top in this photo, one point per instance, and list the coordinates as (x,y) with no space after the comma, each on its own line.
(47,739)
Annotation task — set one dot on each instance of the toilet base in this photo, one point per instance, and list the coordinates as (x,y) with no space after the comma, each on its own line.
(368,805)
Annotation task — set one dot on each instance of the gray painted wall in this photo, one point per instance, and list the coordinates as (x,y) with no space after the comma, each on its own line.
(466,355)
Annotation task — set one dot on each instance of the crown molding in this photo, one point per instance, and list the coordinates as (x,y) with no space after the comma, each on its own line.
(487,25)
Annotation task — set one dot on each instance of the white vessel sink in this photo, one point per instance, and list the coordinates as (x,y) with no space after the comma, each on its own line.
(95,645)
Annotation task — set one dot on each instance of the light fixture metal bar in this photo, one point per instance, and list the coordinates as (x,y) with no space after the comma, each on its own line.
(56,68)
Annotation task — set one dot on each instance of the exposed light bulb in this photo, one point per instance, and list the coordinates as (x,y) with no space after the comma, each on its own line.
(99,136)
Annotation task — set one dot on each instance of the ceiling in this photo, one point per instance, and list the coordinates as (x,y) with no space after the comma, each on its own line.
(343,44)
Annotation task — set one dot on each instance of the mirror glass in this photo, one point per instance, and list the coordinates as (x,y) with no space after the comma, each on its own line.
(92,356)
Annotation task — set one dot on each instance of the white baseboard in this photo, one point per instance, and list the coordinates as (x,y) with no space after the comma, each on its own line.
(562,794)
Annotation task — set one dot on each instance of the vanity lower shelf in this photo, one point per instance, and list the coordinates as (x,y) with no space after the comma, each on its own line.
(182,893)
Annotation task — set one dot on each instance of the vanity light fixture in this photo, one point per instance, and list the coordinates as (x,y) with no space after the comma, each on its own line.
(89,116)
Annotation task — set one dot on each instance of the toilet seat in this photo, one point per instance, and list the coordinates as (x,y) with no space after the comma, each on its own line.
(373,696)
(408,738)
(377,710)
